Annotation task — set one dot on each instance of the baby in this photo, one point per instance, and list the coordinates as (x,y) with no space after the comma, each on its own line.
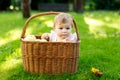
(61,30)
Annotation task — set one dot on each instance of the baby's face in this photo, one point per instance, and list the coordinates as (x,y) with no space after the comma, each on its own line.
(63,30)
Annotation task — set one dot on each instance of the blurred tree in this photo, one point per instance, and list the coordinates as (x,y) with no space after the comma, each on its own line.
(107,4)
(79,5)
(89,5)
(26,8)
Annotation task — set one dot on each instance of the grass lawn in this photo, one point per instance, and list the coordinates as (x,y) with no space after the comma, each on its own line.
(100,42)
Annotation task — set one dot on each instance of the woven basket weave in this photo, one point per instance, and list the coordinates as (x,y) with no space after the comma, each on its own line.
(49,57)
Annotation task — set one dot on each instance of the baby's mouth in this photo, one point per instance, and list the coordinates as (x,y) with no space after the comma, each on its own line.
(64,36)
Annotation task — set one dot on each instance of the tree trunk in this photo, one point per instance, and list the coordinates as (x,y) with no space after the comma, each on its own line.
(79,5)
(26,8)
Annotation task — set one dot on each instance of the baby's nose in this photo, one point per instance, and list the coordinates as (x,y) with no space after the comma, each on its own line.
(64,30)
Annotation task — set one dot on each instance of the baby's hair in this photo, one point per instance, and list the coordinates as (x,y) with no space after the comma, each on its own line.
(63,18)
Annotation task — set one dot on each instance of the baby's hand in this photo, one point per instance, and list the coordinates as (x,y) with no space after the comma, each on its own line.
(45,36)
(67,40)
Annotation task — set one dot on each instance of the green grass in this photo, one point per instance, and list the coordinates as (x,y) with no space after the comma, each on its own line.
(100,42)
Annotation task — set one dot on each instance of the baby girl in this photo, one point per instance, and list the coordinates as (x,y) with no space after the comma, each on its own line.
(61,30)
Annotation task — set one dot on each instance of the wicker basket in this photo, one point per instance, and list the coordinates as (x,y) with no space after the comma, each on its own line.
(49,57)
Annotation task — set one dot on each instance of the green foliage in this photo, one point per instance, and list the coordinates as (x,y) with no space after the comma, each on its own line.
(107,4)
(102,5)
(99,32)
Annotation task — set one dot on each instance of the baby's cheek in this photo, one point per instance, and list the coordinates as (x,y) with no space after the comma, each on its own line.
(69,31)
(58,32)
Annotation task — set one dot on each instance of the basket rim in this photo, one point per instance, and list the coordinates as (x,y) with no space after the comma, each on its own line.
(47,41)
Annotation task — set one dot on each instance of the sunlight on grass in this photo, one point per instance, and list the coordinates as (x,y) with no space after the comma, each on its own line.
(93,22)
(94,26)
(114,25)
(16,54)
(107,19)
(100,28)
(42,18)
(39,24)
(29,29)
(36,28)
(10,36)
(12,61)
(49,23)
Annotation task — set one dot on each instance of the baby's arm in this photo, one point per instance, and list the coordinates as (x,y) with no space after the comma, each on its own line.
(46,36)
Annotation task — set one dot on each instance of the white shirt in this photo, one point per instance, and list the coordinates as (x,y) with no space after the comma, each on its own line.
(53,37)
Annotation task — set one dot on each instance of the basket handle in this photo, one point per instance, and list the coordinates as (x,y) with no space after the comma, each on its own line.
(45,13)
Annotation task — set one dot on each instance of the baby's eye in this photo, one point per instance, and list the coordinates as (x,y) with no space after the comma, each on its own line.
(60,28)
(68,28)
